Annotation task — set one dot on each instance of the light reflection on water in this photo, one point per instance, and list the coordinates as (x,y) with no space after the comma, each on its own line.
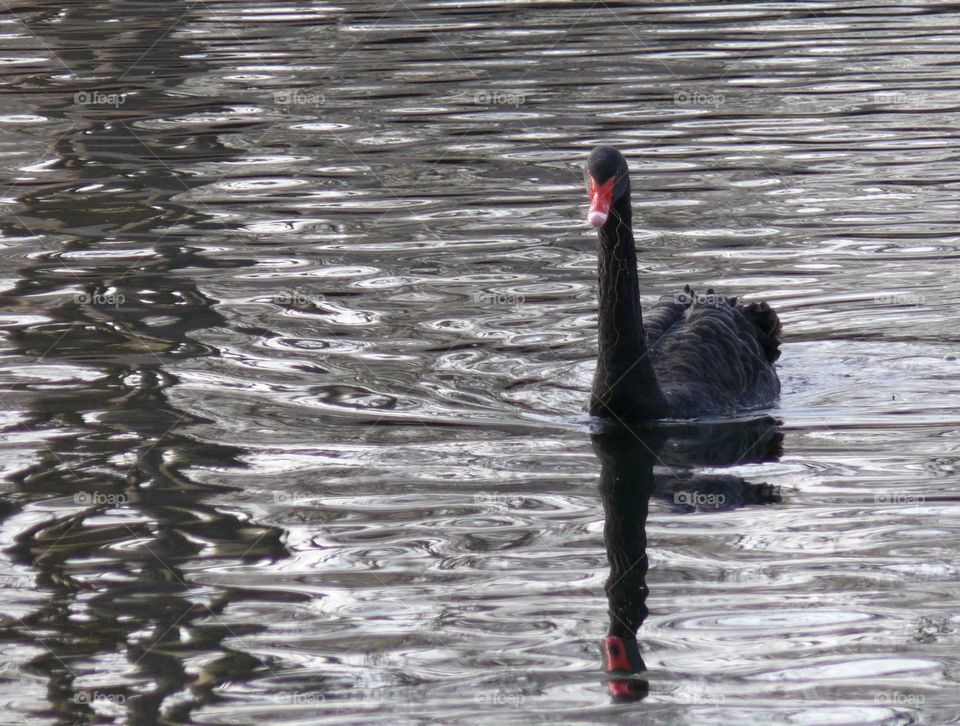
(297,337)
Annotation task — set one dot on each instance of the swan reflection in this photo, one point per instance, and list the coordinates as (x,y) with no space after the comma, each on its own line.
(637,464)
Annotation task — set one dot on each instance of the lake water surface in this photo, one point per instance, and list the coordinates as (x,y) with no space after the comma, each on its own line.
(299,319)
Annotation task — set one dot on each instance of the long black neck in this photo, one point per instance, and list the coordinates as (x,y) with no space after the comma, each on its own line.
(625,385)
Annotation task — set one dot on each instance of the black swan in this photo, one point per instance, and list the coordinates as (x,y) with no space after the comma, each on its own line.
(697,355)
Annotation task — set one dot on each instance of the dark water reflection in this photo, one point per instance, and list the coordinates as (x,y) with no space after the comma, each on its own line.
(298,315)
(629,458)
(109,519)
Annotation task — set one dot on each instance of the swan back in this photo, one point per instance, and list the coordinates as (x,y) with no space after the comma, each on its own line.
(712,354)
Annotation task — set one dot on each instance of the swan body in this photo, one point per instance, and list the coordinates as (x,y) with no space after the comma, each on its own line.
(692,354)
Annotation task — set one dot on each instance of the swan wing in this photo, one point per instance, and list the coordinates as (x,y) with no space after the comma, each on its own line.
(713,355)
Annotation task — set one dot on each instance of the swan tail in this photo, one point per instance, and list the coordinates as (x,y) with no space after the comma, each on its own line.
(767,324)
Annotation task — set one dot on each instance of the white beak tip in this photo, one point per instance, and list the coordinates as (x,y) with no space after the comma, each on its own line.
(597,219)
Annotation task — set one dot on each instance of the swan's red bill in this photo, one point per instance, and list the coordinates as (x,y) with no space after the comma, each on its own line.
(601,197)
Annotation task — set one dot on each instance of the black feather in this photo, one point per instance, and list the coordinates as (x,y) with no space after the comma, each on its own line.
(712,355)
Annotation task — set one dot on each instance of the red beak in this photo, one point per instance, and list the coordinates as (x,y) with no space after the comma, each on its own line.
(601,197)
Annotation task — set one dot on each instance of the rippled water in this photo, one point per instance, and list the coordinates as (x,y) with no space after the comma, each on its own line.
(299,321)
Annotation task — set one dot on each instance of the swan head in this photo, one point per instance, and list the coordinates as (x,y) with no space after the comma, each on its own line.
(607,179)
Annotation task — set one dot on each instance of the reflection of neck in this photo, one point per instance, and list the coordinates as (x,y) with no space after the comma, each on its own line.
(626,483)
(625,385)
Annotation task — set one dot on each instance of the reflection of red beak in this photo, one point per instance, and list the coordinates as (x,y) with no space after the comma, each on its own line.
(616,661)
(601,197)
(632,690)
